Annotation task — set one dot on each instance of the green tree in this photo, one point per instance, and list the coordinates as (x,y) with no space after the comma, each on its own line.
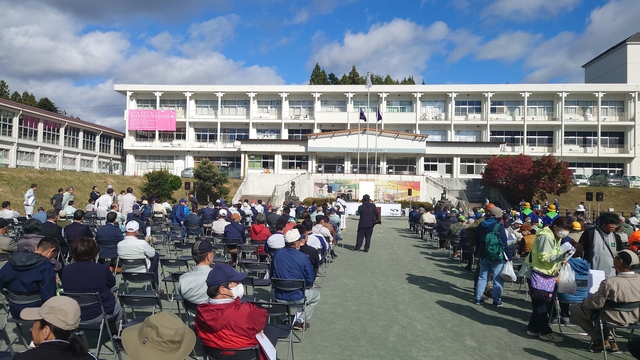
(211,180)
(344,80)
(318,76)
(354,77)
(161,183)
(333,79)
(388,80)
(46,104)
(423,81)
(4,90)
(376,79)
(29,99)
(15,96)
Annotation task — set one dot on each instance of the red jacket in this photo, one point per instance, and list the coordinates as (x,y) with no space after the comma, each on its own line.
(229,326)
(259,232)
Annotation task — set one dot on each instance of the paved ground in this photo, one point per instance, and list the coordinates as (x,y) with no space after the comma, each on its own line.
(405,300)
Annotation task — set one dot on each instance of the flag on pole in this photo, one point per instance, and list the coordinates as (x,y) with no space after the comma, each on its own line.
(379,116)
(362,116)
(368,85)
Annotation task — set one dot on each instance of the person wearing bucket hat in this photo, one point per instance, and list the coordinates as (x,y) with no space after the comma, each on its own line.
(621,288)
(223,321)
(53,331)
(551,215)
(161,336)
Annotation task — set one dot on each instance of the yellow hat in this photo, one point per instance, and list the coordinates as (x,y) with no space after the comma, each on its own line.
(576,226)
(527,205)
(552,208)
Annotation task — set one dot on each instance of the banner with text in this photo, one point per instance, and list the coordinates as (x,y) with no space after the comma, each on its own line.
(162,120)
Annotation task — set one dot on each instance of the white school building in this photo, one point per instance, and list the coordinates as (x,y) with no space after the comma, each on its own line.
(435,132)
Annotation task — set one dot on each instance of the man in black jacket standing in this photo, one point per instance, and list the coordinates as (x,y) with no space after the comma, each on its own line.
(368,218)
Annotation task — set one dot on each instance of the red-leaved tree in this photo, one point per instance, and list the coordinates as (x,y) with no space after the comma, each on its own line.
(552,176)
(520,177)
(511,175)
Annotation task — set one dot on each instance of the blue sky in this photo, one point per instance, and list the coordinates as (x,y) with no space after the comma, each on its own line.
(74,51)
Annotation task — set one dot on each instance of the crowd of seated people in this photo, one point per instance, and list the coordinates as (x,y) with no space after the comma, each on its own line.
(53,253)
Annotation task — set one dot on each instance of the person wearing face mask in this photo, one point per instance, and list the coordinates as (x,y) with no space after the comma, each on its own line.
(544,259)
(601,242)
(223,322)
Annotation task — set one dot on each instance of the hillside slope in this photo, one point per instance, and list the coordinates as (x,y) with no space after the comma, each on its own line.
(15,182)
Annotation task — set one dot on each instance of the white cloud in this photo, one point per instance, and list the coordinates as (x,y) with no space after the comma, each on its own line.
(211,34)
(399,48)
(301,17)
(47,53)
(522,11)
(561,57)
(508,47)
(47,44)
(164,41)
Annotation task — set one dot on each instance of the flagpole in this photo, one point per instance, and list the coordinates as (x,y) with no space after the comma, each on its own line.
(376,157)
(369,117)
(358,169)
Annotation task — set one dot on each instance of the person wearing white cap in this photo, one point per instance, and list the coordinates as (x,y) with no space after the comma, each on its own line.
(133,248)
(53,331)
(289,263)
(218,226)
(622,288)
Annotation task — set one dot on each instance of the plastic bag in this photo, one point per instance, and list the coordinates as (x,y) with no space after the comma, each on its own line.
(566,280)
(507,272)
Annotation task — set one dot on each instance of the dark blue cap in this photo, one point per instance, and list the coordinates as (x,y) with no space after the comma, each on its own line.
(223,273)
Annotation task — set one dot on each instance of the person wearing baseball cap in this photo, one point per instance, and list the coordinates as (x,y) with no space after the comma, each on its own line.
(161,336)
(223,321)
(491,242)
(133,248)
(53,331)
(218,226)
(289,263)
(192,284)
(622,288)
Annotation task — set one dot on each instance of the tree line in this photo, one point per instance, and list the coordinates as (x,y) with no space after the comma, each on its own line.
(320,77)
(26,98)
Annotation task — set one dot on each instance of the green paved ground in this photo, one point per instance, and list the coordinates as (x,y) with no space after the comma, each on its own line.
(405,300)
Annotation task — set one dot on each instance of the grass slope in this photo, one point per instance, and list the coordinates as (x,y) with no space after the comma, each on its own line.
(620,199)
(15,182)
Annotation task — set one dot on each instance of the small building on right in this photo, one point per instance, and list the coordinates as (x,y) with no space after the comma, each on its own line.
(618,64)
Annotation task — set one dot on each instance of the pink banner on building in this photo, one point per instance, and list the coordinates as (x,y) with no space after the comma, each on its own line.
(162,120)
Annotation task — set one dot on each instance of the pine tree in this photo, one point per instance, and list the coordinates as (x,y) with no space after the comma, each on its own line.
(46,104)
(15,96)
(388,80)
(354,77)
(318,76)
(29,99)
(4,90)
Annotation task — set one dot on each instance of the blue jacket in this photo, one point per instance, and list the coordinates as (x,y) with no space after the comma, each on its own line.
(235,231)
(178,213)
(107,238)
(485,228)
(28,273)
(207,213)
(581,267)
(291,264)
(90,277)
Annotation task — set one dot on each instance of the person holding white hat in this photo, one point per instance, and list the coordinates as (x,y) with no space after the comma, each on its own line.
(133,248)
(53,331)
